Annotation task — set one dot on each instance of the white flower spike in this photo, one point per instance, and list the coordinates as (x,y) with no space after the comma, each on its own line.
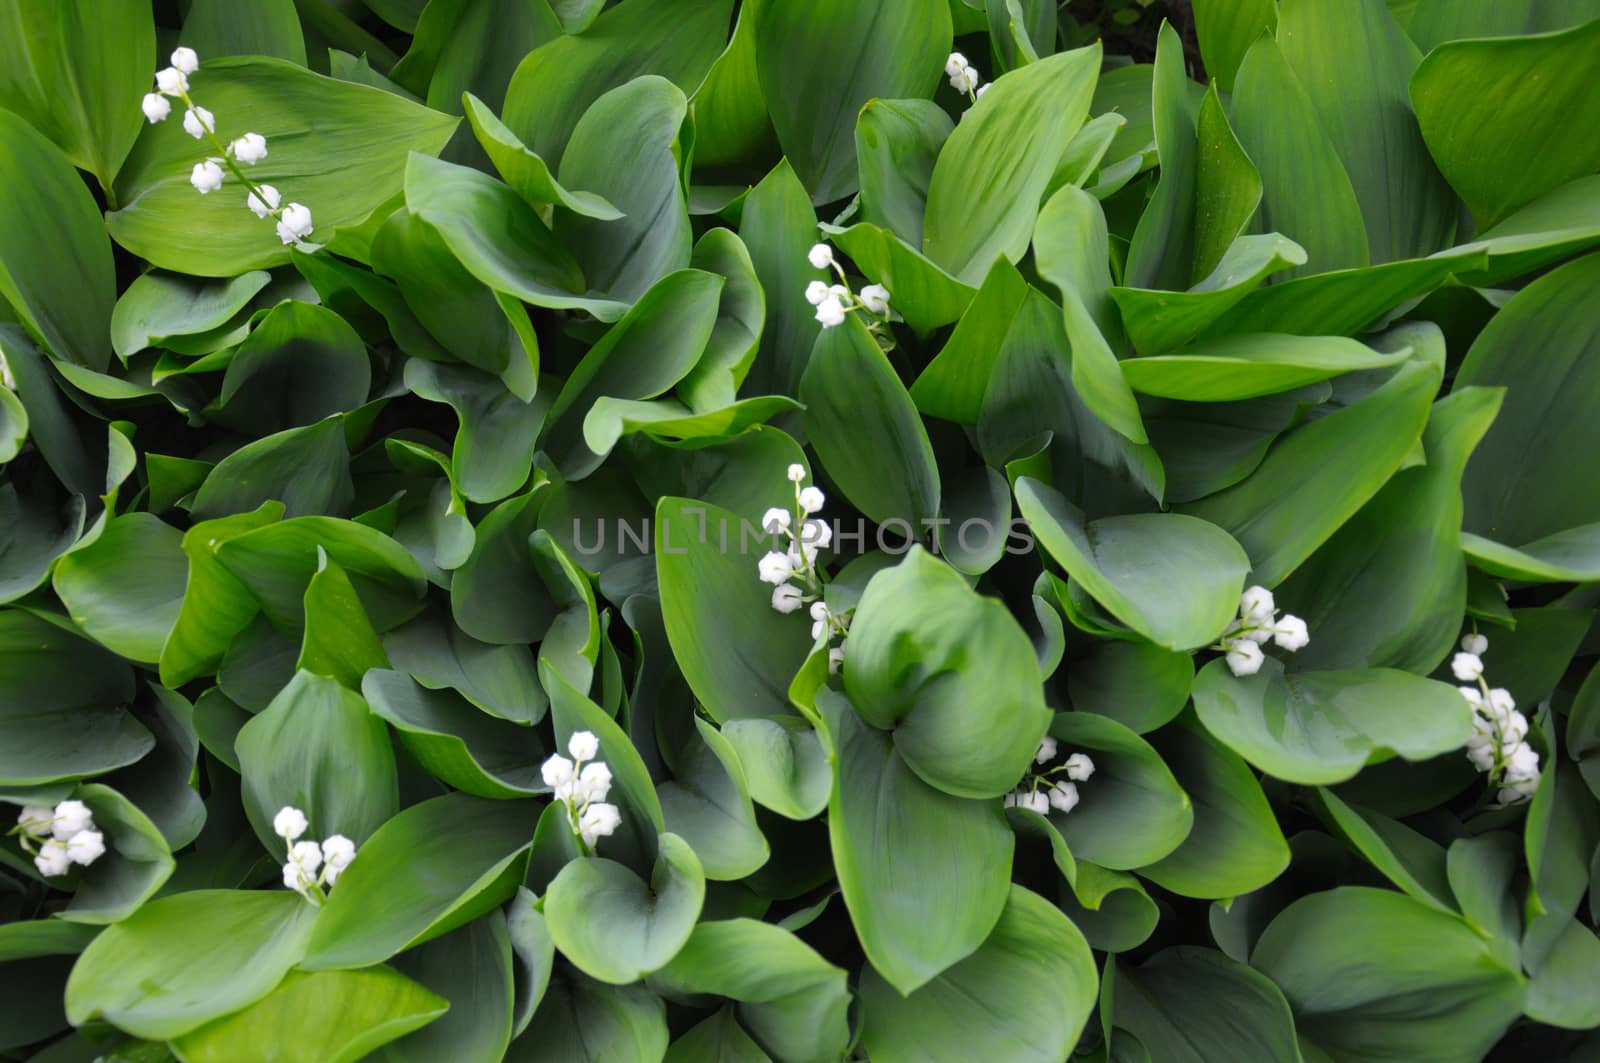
(787,598)
(1475,644)
(70,818)
(295,223)
(186,60)
(1244,657)
(820,256)
(583,745)
(875,297)
(86,846)
(259,208)
(289,823)
(172,81)
(1048,748)
(197,122)
(156,107)
(830,312)
(1467,667)
(52,859)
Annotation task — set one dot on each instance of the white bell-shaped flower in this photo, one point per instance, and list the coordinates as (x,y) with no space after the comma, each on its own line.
(250,148)
(264,204)
(775,567)
(206,177)
(289,823)
(1257,606)
(594,782)
(797,473)
(830,312)
(294,223)
(1048,748)
(197,122)
(338,853)
(70,818)
(1079,767)
(583,745)
(172,81)
(776,520)
(35,820)
(86,846)
(156,107)
(1063,796)
(787,598)
(811,499)
(185,60)
(955,64)
(1474,644)
(817,291)
(1467,666)
(52,859)
(820,256)
(1290,633)
(875,297)
(598,821)
(1244,657)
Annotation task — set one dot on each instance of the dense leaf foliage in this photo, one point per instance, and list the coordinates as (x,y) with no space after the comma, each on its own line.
(429,427)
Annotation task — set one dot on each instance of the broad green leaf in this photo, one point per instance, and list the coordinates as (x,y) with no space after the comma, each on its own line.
(741,315)
(1434,22)
(791,1000)
(1227,186)
(615,926)
(1388,589)
(730,113)
(590,1022)
(1499,115)
(1227,29)
(814,91)
(1307,195)
(72,69)
(897,144)
(888,828)
(783,762)
(525,171)
(991,174)
(1372,973)
(924,293)
(307,469)
(272,27)
(1174,579)
(345,1014)
(1551,228)
(318,748)
(125,588)
(13,425)
(338,642)
(497,596)
(556,82)
(866,430)
(737,653)
(953,385)
(1246,366)
(454,741)
(1522,484)
(1122,917)
(719,1039)
(653,347)
(669,420)
(300,364)
(935,662)
(500,680)
(1406,204)
(639,122)
(1410,860)
(1572,556)
(1557,990)
(435,866)
(1318,728)
(55,261)
(1025,994)
(1190,1005)
(778,226)
(1235,846)
(181,961)
(1320,475)
(337,147)
(1133,812)
(137,861)
(1161,253)
(158,306)
(493,449)
(472,46)
(707,804)
(1161,321)
(61,442)
(469,968)
(1136,683)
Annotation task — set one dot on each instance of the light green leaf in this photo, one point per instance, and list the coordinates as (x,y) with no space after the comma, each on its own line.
(1161,253)
(1191,1005)
(1227,29)
(158,306)
(1246,366)
(125,589)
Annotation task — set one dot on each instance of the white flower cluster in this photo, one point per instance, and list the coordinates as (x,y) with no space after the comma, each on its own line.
(1040,793)
(793,571)
(1499,743)
(59,837)
(1257,623)
(964,77)
(294,220)
(834,301)
(583,787)
(307,858)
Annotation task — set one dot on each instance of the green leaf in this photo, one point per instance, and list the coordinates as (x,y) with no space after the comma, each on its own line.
(1320,475)
(300,364)
(55,261)
(778,226)
(493,449)
(1406,203)
(784,764)
(1227,186)
(500,680)
(307,469)
(935,662)
(1243,367)
(986,186)
(337,147)
(216,27)
(1318,728)
(1161,253)
(953,385)
(556,83)
(735,339)
(707,804)
(136,864)
(435,866)
(125,588)
(791,1000)
(317,747)
(1371,972)
(616,927)
(814,92)
(897,144)
(1551,228)
(72,70)
(471,969)
(730,113)
(736,652)
(181,961)
(1133,813)
(346,1014)
(590,1022)
(160,306)
(638,121)
(1388,588)
(1235,846)
(719,1039)
(1227,29)
(497,595)
(866,429)
(925,294)
(1306,193)
(1025,994)
(455,742)
(1189,1005)
(1174,579)
(1498,115)
(476,45)
(525,171)
(1410,860)
(1521,484)
(889,828)
(1136,683)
